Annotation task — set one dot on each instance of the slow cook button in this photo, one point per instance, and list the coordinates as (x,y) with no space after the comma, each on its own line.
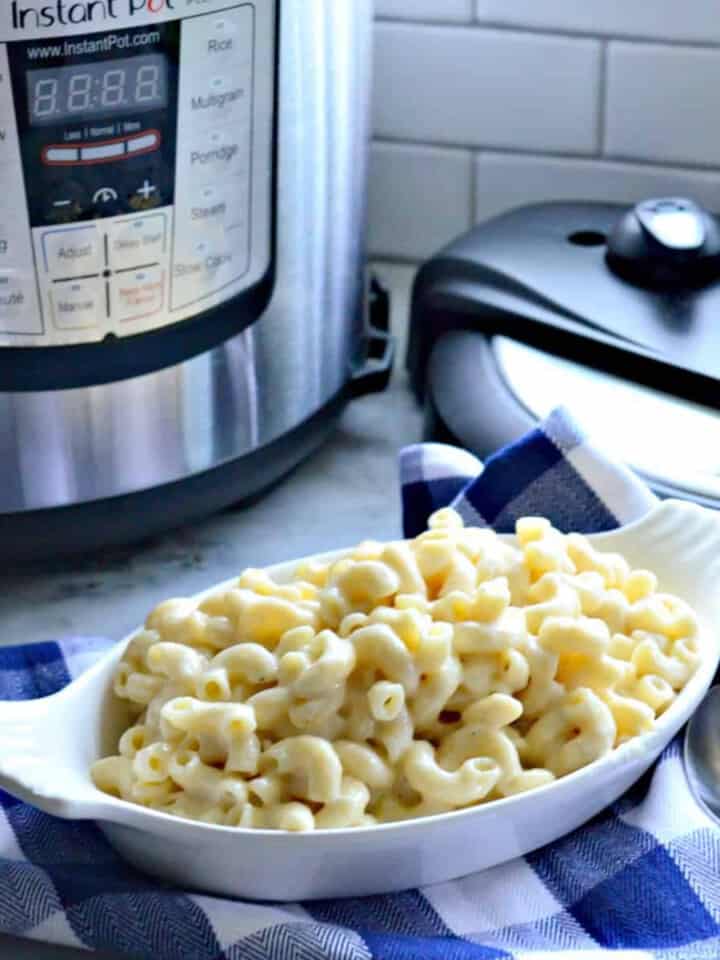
(207,271)
(139,242)
(76,252)
(138,294)
(78,305)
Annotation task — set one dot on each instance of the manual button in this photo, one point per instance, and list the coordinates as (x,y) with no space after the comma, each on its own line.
(73,253)
(78,304)
(139,242)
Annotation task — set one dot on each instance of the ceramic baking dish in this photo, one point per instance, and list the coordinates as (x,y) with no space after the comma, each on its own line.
(47,747)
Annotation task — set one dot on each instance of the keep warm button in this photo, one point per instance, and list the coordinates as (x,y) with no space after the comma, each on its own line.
(138,294)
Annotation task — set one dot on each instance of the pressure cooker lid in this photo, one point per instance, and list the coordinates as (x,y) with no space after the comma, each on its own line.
(484,393)
(672,442)
(608,311)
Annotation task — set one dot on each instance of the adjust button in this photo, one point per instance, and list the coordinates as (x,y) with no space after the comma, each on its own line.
(76,252)
(137,242)
(79,304)
(138,294)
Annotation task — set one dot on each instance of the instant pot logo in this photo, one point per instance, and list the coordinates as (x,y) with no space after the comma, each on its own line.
(25,16)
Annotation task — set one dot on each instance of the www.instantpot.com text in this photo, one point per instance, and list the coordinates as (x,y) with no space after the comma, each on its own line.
(27,16)
(76,48)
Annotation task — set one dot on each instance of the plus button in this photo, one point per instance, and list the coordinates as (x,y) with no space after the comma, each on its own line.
(147,190)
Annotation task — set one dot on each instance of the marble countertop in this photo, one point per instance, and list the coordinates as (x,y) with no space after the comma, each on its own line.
(345,493)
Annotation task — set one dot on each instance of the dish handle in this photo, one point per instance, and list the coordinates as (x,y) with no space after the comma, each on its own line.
(31,755)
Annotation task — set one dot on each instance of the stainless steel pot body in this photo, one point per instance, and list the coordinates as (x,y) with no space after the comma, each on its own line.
(67,447)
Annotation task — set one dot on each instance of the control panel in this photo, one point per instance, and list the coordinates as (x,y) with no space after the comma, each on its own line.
(136,172)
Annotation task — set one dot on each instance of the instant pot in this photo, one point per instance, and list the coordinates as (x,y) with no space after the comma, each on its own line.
(183,304)
(611,312)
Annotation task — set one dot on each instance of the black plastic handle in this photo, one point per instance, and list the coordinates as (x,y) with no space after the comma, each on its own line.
(376,372)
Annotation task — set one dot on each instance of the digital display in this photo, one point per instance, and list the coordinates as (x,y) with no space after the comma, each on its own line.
(97,90)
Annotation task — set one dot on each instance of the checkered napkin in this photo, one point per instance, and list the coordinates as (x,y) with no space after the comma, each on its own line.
(641,880)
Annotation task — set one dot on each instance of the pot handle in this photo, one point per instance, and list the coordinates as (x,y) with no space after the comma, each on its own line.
(374,375)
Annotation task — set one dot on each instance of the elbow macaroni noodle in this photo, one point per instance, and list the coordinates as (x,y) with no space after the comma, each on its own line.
(404,680)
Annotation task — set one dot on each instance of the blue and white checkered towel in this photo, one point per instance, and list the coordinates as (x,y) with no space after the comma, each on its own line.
(642,880)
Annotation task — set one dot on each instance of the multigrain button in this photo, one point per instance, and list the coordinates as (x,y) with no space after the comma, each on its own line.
(72,253)
(78,305)
(138,294)
(138,242)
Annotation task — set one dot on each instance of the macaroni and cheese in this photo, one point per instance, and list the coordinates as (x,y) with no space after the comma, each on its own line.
(404,680)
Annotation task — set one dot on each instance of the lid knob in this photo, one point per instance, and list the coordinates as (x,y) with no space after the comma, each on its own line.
(666,242)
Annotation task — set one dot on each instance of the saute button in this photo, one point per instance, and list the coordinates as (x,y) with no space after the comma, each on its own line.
(138,294)
(78,304)
(135,243)
(76,252)
(17,307)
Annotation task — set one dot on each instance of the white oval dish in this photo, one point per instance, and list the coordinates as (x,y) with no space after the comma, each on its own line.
(47,747)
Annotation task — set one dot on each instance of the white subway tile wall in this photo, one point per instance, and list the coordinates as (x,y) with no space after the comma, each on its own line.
(444,11)
(415,230)
(485,105)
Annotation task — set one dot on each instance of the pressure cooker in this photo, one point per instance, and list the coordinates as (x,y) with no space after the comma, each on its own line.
(184,309)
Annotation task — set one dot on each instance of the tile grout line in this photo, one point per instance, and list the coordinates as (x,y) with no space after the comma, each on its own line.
(550,32)
(548,154)
(603,104)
